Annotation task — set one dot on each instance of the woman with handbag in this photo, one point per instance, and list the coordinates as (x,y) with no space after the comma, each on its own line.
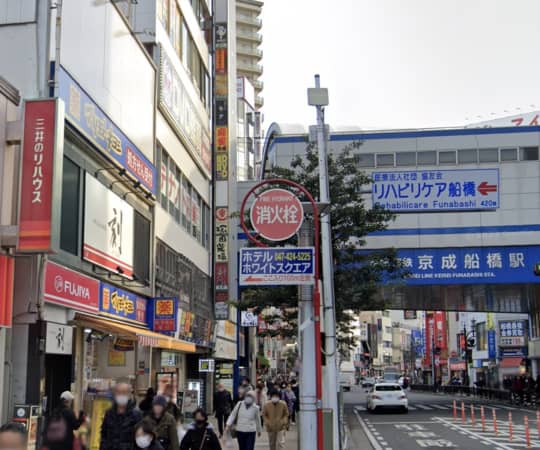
(200,434)
(245,421)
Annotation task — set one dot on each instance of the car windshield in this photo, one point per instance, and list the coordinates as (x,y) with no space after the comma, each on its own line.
(388,387)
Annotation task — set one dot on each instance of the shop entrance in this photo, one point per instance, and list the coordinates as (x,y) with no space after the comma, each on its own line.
(57,378)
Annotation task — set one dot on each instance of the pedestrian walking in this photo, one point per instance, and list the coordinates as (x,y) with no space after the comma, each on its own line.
(200,434)
(146,437)
(287,395)
(296,404)
(61,424)
(13,436)
(118,427)
(146,403)
(276,421)
(223,405)
(245,422)
(163,424)
(261,397)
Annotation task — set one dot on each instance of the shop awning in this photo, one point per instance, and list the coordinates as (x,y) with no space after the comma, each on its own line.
(511,362)
(143,337)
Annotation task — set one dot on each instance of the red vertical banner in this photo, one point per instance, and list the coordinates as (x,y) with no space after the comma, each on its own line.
(37,176)
(7,267)
(428,339)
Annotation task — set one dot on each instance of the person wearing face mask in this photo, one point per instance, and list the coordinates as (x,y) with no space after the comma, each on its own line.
(276,421)
(246,420)
(163,424)
(223,404)
(145,437)
(200,434)
(117,429)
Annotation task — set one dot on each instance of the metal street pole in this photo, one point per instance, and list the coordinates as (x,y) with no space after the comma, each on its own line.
(318,97)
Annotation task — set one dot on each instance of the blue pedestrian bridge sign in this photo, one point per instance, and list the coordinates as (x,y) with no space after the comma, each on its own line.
(437,190)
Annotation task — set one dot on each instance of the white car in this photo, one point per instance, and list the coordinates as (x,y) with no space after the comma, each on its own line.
(387,395)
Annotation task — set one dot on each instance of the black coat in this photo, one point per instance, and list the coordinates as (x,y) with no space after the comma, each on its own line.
(193,439)
(223,402)
(154,446)
(117,430)
(71,424)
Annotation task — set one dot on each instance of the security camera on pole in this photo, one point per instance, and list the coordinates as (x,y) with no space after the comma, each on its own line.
(318,97)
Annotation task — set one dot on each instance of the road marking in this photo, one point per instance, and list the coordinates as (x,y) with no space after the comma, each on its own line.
(424,407)
(440,407)
(404,422)
(360,408)
(371,438)
(412,408)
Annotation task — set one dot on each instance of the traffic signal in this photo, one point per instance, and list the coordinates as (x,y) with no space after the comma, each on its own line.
(537,269)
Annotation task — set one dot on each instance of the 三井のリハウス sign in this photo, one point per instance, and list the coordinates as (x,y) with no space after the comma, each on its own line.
(277,266)
(437,190)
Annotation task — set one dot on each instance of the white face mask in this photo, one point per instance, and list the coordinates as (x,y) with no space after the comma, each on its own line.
(248,401)
(143,441)
(275,399)
(121,400)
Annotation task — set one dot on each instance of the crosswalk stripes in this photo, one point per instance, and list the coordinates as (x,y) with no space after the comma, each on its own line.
(445,408)
(442,407)
(425,407)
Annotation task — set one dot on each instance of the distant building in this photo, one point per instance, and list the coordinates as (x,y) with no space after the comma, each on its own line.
(248,41)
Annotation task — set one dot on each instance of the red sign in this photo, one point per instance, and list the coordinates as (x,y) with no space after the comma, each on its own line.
(35,213)
(221,276)
(7,266)
(277,214)
(71,289)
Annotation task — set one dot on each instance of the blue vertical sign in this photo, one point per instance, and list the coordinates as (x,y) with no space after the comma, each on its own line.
(492,344)
(417,343)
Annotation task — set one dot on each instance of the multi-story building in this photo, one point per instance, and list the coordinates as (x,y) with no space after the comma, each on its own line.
(248,42)
(112,263)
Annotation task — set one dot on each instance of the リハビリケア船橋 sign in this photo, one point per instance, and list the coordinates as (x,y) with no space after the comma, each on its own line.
(437,190)
(277,214)
(277,266)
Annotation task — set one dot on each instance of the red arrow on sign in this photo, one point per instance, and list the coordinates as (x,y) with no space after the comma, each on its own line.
(484,188)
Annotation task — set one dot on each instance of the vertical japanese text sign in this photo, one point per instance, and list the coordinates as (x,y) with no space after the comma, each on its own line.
(41,176)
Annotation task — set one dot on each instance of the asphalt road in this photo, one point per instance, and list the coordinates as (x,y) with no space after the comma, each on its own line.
(430,423)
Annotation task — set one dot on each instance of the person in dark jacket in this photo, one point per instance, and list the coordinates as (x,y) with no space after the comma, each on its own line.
(13,436)
(146,403)
(145,437)
(200,435)
(163,423)
(223,405)
(61,423)
(118,427)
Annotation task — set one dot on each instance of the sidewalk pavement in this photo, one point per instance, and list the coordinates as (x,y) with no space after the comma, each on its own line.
(291,440)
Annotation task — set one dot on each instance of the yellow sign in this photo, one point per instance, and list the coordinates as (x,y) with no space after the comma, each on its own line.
(165,307)
(99,407)
(121,304)
(116,358)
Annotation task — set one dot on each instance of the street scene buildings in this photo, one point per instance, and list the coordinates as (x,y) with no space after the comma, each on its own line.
(167,252)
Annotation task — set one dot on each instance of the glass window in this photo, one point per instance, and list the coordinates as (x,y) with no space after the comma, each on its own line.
(385,159)
(469,156)
(141,250)
(509,154)
(163,13)
(528,153)
(195,215)
(185,44)
(427,158)
(163,179)
(447,157)
(176,35)
(406,159)
(186,204)
(481,337)
(69,221)
(488,155)
(365,159)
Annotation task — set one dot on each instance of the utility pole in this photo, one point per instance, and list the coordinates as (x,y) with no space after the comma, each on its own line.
(318,97)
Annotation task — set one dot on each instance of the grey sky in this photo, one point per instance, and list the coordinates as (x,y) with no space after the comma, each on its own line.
(401,63)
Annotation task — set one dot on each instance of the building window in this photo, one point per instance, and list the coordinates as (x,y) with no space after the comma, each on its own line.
(447,157)
(69,227)
(195,215)
(481,336)
(528,153)
(385,159)
(163,13)
(469,156)
(186,204)
(509,154)
(488,155)
(141,249)
(176,31)
(163,179)
(427,158)
(365,159)
(406,159)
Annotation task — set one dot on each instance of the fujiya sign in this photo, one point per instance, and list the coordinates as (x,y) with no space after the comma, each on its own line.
(437,190)
(277,214)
